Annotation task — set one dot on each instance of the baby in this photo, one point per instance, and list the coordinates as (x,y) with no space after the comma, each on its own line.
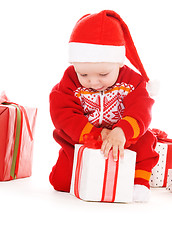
(99,94)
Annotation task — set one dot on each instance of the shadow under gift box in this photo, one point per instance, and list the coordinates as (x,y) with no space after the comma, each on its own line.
(17,126)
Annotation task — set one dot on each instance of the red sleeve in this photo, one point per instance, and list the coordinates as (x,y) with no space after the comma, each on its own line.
(65,109)
(137,114)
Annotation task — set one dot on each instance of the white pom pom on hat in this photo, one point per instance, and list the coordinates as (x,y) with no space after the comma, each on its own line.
(153,87)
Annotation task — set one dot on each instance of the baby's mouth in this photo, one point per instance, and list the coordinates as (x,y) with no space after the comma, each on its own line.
(100,89)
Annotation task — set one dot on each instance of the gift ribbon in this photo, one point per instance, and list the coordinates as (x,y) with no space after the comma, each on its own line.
(111,169)
(162,137)
(20,112)
(110,179)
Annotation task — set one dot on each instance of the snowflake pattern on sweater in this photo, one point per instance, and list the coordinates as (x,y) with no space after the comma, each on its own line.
(105,108)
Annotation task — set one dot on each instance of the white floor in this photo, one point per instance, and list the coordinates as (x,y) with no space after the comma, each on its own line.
(31,209)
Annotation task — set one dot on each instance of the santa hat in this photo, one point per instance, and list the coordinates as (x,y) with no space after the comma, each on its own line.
(103,37)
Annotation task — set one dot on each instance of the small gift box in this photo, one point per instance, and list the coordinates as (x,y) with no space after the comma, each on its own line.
(95,178)
(17,125)
(169,180)
(160,171)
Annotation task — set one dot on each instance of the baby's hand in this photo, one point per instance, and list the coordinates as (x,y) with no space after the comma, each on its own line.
(104,133)
(115,140)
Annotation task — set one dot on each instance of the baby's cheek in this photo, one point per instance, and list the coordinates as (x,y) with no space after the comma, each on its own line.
(84,83)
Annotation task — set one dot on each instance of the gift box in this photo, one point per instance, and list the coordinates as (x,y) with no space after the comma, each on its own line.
(95,178)
(169,180)
(17,125)
(160,171)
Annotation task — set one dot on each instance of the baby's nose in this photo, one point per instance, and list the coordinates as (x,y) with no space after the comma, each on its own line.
(95,83)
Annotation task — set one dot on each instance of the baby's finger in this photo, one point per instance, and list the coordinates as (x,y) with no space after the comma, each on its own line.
(103,146)
(115,152)
(107,149)
(121,152)
(106,146)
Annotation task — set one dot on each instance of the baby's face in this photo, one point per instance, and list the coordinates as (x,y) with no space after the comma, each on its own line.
(98,76)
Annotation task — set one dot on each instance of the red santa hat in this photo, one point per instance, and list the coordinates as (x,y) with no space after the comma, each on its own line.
(103,37)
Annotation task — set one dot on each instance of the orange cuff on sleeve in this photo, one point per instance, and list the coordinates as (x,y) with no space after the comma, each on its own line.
(134,125)
(87,129)
(142,174)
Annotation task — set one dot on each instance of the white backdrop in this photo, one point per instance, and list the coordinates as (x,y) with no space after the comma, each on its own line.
(33,56)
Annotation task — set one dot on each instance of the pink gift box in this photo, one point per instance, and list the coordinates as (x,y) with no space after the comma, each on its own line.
(17,125)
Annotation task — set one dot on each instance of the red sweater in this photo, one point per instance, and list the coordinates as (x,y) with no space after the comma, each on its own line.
(77,111)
